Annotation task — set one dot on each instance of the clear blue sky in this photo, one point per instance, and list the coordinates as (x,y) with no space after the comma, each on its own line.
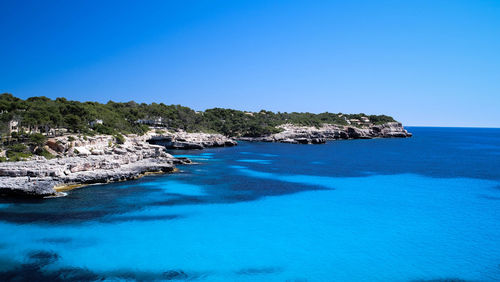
(423,62)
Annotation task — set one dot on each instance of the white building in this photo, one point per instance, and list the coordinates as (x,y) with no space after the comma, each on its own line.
(157,121)
(365,119)
(95,122)
(13,126)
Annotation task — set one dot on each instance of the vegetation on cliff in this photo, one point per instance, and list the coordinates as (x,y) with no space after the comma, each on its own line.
(39,114)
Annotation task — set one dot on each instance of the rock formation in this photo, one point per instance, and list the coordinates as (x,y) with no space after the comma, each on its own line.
(100,159)
(186,141)
(318,135)
(94,160)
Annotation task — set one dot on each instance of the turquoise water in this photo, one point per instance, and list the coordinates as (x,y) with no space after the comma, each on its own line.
(423,208)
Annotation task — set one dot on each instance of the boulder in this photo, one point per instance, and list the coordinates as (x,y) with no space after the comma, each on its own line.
(82,151)
(289,141)
(303,140)
(54,145)
(318,141)
(229,143)
(97,152)
(187,146)
(119,151)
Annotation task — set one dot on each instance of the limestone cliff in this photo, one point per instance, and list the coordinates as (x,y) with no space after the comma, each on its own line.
(317,135)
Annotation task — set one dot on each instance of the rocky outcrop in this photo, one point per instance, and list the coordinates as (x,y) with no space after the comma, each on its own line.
(319,135)
(188,141)
(390,129)
(92,161)
(99,159)
(82,160)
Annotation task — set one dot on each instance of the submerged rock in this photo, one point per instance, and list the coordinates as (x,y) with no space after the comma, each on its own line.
(43,258)
(175,275)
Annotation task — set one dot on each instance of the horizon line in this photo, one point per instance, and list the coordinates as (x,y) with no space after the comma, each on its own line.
(448,126)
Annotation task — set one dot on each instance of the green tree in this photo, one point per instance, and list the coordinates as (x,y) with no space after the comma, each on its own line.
(37,139)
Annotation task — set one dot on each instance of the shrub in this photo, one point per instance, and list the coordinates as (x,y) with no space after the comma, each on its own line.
(17,152)
(103,129)
(18,148)
(45,153)
(37,139)
(119,139)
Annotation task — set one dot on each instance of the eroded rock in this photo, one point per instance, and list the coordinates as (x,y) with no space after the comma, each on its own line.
(190,141)
(93,162)
(295,134)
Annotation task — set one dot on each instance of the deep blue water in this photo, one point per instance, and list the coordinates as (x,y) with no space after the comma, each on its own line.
(422,208)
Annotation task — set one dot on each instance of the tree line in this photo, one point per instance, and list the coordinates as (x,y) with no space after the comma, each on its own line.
(80,117)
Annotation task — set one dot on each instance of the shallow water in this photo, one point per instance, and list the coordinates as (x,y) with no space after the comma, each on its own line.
(422,208)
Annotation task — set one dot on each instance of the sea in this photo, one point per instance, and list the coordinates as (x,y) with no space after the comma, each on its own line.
(425,208)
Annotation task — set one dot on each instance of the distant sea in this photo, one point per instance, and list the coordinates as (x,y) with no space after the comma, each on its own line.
(422,208)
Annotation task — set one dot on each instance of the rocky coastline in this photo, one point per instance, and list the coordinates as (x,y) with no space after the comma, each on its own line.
(103,159)
(82,162)
(85,160)
(295,134)
(188,141)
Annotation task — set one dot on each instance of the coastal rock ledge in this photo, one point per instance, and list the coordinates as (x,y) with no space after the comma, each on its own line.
(189,141)
(47,177)
(295,134)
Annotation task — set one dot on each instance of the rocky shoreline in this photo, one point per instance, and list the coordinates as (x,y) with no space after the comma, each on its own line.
(294,134)
(103,159)
(189,141)
(92,161)
(85,160)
